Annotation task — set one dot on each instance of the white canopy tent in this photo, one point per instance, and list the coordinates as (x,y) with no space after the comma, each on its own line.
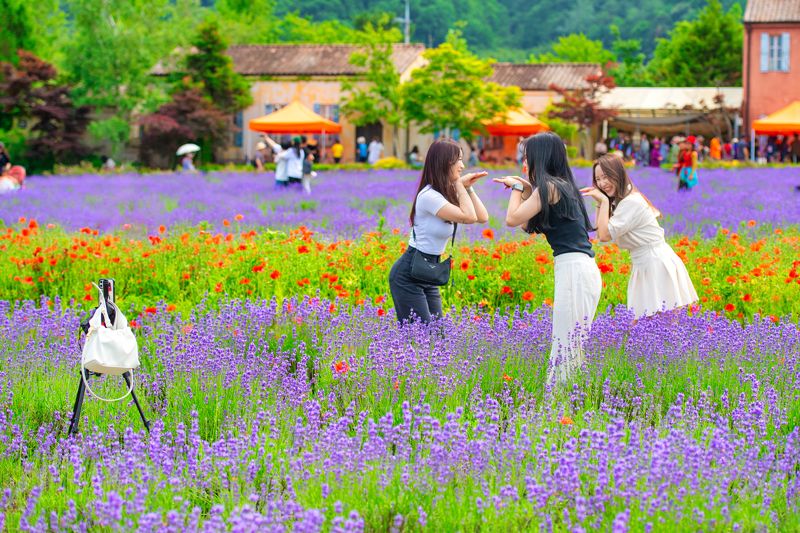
(666,109)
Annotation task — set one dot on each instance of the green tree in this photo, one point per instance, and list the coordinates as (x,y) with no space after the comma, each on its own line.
(704,52)
(17,29)
(575,48)
(379,96)
(629,68)
(451,91)
(248,21)
(108,57)
(211,68)
(296,29)
(562,128)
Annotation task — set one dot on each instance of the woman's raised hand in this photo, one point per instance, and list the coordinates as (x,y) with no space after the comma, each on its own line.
(509,181)
(467,180)
(594,194)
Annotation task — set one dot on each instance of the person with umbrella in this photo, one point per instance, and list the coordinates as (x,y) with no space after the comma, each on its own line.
(187,161)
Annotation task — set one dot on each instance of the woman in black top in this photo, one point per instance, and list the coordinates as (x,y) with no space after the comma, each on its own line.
(549,202)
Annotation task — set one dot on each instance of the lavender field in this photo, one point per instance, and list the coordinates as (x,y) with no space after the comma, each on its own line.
(307,414)
(290,417)
(347,204)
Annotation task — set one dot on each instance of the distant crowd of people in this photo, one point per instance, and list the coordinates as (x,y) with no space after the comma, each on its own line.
(656,151)
(294,160)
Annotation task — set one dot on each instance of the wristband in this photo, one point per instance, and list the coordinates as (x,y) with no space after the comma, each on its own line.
(517,187)
(470,190)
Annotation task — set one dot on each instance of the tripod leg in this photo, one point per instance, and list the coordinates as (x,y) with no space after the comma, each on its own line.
(127,378)
(76,409)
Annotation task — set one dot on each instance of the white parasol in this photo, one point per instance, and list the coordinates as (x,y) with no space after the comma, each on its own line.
(187,149)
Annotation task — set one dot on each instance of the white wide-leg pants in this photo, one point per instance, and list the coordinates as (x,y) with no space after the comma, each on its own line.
(577,293)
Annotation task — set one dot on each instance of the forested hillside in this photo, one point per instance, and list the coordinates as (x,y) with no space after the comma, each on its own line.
(512,29)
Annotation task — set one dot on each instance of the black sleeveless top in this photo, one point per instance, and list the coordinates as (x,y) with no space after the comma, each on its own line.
(565,235)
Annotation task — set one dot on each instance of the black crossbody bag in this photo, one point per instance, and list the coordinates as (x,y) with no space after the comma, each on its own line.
(427,270)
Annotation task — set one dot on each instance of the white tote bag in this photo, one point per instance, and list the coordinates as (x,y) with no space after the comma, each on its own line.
(109,349)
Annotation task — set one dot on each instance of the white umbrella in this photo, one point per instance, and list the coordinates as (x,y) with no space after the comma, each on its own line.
(187,149)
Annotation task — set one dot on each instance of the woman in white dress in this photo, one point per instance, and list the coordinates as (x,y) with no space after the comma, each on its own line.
(659,280)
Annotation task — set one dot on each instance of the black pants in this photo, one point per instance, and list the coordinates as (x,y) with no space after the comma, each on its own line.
(411,296)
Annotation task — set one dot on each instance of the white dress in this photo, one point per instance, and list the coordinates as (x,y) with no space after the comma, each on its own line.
(659,279)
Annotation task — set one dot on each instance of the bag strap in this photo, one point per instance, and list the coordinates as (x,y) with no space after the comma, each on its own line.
(104,312)
(93,393)
(104,308)
(86,382)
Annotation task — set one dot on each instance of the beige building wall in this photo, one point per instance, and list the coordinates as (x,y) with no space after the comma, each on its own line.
(535,102)
(310,92)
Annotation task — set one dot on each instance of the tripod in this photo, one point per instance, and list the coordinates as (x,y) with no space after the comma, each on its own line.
(106,287)
(76,409)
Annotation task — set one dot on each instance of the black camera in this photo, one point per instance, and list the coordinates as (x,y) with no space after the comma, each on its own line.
(107,289)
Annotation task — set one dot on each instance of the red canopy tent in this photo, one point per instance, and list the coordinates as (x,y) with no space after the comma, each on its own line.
(510,125)
(516,122)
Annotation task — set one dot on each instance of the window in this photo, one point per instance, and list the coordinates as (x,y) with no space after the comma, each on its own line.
(329,111)
(775,42)
(238,122)
(775,52)
(271,108)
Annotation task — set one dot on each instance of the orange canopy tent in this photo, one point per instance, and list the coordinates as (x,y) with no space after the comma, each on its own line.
(294,118)
(516,122)
(783,121)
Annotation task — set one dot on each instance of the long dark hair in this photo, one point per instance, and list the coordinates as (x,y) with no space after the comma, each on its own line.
(614,170)
(548,170)
(439,161)
(296,144)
